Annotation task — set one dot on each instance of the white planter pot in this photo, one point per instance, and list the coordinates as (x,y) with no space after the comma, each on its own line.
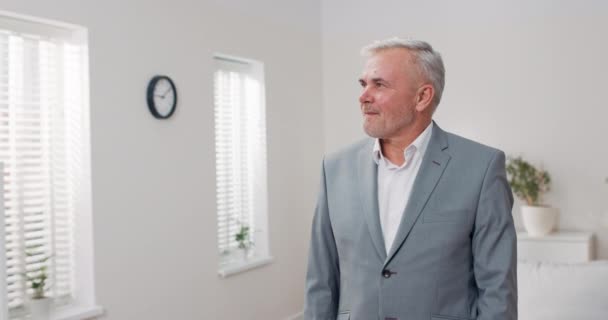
(40,309)
(539,221)
(245,253)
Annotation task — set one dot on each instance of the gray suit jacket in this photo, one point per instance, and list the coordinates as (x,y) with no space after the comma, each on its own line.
(454,256)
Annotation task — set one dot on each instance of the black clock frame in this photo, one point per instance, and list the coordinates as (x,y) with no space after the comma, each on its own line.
(150,96)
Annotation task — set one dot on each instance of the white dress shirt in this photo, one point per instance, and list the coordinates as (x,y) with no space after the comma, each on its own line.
(395,183)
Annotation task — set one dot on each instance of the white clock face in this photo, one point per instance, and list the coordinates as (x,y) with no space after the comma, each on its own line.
(164,97)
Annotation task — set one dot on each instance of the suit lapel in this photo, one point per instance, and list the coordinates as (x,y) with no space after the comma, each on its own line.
(433,164)
(368,191)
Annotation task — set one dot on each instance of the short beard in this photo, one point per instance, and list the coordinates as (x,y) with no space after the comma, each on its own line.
(383,134)
(372,133)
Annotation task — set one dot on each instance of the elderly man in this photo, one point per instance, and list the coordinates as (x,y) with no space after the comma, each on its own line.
(415,222)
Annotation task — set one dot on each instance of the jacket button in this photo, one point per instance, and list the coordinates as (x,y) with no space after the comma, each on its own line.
(386,273)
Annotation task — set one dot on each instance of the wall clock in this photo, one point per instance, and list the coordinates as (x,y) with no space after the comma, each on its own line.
(161,96)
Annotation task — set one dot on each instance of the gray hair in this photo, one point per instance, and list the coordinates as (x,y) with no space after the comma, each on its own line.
(428,60)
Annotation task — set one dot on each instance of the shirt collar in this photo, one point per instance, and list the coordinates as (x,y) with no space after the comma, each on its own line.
(419,145)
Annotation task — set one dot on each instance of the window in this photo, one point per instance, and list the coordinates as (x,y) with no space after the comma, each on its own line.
(240,148)
(44,149)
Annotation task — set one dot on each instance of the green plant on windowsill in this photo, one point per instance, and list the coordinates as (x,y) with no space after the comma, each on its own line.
(39,305)
(37,278)
(243,238)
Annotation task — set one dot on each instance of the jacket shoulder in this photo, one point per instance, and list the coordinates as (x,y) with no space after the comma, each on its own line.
(464,146)
(349,152)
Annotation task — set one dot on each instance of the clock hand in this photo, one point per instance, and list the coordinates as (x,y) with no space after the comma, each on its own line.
(164,94)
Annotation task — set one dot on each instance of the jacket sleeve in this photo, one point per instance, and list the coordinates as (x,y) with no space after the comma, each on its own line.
(495,246)
(323,274)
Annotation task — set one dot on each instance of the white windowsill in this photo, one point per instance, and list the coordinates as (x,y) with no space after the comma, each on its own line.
(242,266)
(77,313)
(65,313)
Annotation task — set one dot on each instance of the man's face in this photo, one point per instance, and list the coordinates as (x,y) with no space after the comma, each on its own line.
(388,96)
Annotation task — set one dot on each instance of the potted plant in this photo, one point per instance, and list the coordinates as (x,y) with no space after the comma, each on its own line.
(39,304)
(529,184)
(244,240)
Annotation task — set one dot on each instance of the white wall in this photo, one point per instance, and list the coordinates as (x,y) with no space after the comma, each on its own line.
(528,77)
(153,181)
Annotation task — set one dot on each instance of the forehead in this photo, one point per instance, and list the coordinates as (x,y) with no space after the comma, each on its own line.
(388,63)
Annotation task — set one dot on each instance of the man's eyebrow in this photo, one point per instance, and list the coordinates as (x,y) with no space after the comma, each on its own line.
(361,80)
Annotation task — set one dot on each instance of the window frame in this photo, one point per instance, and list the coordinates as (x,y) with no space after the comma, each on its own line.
(83,303)
(233,263)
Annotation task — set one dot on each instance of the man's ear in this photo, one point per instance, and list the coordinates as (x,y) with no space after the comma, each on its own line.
(424,97)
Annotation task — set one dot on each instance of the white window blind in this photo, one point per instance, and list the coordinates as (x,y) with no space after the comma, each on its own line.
(42,92)
(240,144)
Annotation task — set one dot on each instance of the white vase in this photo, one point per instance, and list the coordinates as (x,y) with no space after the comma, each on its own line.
(40,309)
(539,221)
(245,252)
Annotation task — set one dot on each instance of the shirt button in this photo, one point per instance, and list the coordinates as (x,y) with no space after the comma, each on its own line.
(386,273)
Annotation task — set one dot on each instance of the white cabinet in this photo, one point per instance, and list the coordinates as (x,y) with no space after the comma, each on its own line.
(560,246)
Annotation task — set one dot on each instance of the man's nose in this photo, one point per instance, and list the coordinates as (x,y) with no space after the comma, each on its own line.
(365,96)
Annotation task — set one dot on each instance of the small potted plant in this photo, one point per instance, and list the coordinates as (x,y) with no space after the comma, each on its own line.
(529,184)
(39,304)
(244,240)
